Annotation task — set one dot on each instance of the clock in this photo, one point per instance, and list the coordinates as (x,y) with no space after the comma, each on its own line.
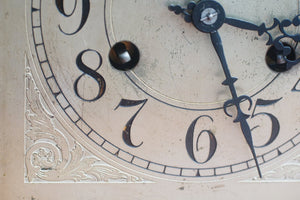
(190,91)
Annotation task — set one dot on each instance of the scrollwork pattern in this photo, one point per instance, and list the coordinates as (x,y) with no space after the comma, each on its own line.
(50,154)
(289,171)
(277,42)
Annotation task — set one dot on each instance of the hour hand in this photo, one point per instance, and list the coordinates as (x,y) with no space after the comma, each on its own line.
(245,25)
(209,15)
(284,53)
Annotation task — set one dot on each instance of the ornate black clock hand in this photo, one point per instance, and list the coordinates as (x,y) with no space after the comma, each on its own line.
(193,11)
(236,100)
(277,42)
(132,123)
(208,16)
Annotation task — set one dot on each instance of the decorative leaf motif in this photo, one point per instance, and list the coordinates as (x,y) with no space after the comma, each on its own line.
(296,20)
(288,172)
(52,156)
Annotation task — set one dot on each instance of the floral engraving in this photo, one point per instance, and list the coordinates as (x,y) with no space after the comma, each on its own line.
(52,155)
(289,171)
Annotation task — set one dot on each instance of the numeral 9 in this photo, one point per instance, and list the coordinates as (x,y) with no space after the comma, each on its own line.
(84,14)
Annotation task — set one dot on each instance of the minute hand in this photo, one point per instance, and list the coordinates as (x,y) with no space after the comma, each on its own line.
(236,100)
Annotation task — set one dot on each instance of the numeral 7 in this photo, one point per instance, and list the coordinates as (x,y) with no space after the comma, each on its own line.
(126,134)
(296,88)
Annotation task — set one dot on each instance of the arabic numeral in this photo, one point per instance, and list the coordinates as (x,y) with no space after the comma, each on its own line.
(275,125)
(126,134)
(195,142)
(296,88)
(87,71)
(60,5)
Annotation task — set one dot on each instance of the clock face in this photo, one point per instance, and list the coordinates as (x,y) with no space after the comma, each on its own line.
(145,90)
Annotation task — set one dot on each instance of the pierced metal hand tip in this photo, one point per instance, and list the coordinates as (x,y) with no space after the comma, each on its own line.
(171,7)
(177,9)
(191,5)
